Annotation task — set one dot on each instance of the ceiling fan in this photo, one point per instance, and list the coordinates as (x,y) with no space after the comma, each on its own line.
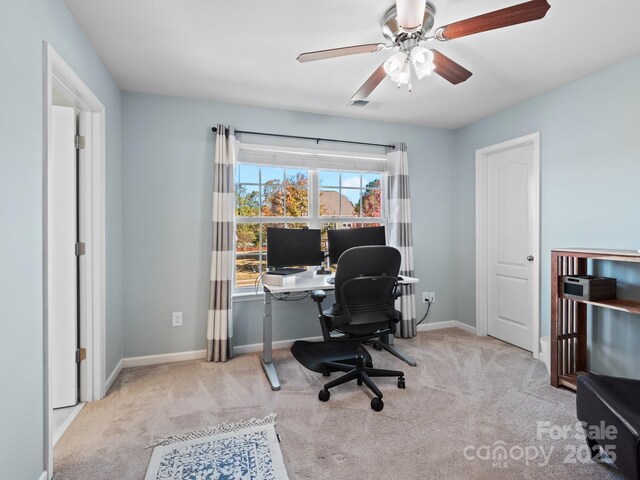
(407,24)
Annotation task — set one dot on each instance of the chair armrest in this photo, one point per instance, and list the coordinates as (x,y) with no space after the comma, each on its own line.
(397,292)
(318,295)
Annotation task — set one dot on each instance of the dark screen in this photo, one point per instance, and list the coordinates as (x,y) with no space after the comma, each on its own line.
(343,239)
(293,247)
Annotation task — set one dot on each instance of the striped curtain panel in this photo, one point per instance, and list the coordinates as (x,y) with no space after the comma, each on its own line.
(400,233)
(220,317)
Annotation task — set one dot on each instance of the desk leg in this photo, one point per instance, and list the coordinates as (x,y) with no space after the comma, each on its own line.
(389,346)
(267,360)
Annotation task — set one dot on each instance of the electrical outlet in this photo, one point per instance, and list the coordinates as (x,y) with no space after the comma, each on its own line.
(428,297)
(176,319)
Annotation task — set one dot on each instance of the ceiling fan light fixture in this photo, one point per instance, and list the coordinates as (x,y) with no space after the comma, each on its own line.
(402,77)
(395,64)
(422,60)
(410,14)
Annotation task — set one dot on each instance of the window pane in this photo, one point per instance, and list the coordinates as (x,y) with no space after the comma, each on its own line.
(329,179)
(350,180)
(272,201)
(297,201)
(297,177)
(297,193)
(371,180)
(371,205)
(330,202)
(272,175)
(298,225)
(247,200)
(247,254)
(324,227)
(247,173)
(350,204)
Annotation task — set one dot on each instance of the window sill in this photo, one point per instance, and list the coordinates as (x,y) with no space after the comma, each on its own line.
(247,296)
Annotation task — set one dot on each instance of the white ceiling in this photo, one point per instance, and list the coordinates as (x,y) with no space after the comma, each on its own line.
(244,51)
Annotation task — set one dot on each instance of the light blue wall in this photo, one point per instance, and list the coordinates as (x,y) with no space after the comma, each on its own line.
(24,24)
(168,155)
(589,177)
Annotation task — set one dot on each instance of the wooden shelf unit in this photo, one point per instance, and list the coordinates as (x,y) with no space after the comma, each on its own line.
(569,316)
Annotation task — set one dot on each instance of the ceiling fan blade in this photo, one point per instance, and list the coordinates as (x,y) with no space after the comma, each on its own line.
(522,13)
(448,69)
(370,85)
(340,52)
(410,14)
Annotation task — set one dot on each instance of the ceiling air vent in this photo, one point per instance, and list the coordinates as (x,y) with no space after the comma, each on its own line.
(359,103)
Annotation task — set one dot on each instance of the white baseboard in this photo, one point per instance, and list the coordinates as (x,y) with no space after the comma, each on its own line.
(257,347)
(44,476)
(426,327)
(163,358)
(63,428)
(113,376)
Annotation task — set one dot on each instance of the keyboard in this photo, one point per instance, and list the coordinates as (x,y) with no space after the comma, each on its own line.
(286,271)
(332,280)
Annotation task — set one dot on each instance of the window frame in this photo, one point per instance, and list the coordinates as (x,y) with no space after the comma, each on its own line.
(313,218)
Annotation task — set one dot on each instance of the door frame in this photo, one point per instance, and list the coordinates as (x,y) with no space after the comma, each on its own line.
(482,233)
(58,75)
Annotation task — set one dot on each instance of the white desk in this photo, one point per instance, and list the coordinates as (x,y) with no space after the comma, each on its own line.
(306,284)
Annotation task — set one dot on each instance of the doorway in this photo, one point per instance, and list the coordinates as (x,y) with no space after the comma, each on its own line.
(64,267)
(508,242)
(73,224)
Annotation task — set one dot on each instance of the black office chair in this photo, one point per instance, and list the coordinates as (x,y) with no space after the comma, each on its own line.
(366,287)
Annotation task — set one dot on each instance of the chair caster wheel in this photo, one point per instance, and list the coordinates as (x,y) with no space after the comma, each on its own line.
(377,404)
(377,346)
(324,395)
(359,381)
(401,382)
(369,364)
(326,372)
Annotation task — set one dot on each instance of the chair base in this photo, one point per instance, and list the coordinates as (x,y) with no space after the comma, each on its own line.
(361,374)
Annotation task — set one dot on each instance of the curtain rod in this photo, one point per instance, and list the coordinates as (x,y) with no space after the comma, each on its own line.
(317,140)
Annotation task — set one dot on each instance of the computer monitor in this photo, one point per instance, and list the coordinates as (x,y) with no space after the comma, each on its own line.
(341,240)
(293,247)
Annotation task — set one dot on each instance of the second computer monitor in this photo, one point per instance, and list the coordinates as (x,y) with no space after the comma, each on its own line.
(341,240)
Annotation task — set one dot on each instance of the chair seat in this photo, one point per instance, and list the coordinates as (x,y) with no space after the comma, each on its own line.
(613,402)
(363,329)
(314,355)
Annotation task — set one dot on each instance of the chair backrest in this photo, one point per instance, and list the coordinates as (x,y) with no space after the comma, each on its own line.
(366,278)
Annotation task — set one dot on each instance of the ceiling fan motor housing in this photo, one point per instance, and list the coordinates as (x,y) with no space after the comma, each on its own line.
(392,31)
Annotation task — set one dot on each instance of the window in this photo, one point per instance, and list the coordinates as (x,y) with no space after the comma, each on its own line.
(298,197)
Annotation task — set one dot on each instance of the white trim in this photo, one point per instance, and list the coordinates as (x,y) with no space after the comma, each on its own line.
(63,428)
(43,476)
(257,347)
(112,377)
(163,358)
(482,267)
(427,327)
(58,75)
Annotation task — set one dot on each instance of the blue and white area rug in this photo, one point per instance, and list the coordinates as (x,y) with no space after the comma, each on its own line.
(247,450)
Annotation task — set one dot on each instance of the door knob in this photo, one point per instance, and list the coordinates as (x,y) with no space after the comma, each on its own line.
(530,258)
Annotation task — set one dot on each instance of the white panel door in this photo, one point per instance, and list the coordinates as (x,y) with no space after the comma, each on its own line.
(510,245)
(62,272)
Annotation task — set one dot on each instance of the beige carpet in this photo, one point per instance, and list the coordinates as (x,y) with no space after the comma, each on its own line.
(466,393)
